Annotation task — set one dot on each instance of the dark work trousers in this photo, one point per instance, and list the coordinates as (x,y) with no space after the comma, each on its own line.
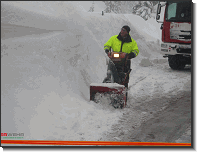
(112,68)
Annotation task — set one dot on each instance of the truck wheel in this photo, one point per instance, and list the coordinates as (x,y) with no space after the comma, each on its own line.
(176,62)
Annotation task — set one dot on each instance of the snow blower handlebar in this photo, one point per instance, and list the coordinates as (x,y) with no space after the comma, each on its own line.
(120,58)
(118,55)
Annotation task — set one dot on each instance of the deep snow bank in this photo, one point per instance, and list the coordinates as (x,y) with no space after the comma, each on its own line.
(46,78)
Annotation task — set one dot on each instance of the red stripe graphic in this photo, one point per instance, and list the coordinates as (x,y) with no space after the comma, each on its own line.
(44,142)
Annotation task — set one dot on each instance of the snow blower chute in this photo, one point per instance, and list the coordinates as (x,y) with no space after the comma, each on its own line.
(116,82)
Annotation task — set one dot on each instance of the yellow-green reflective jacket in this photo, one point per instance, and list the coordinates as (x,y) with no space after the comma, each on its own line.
(127,45)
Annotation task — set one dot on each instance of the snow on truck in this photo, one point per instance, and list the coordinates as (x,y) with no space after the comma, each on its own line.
(176,32)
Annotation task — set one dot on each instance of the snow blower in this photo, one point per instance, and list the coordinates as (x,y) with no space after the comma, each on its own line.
(116,82)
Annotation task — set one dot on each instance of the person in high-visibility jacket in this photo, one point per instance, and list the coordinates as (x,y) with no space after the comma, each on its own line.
(123,43)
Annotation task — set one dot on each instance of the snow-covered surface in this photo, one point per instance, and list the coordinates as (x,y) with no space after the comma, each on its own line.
(107,85)
(84,6)
(150,29)
(46,76)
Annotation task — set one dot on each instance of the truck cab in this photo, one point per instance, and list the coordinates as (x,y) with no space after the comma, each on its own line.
(176,32)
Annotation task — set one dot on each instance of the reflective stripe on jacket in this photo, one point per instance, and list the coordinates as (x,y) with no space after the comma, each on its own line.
(118,44)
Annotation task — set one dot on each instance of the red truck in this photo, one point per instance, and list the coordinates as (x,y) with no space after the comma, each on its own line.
(176,32)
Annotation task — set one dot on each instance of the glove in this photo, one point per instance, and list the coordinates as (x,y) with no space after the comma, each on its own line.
(131,55)
(106,51)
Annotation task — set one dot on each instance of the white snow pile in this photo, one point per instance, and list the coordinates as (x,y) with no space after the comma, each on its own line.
(50,53)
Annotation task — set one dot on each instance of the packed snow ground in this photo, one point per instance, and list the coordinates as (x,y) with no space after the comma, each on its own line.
(52,52)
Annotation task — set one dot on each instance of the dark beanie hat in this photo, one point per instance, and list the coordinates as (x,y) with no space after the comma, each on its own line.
(127,28)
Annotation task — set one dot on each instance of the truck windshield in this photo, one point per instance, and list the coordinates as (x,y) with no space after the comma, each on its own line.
(178,11)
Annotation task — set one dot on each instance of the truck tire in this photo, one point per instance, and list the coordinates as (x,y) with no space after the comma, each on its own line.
(176,62)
